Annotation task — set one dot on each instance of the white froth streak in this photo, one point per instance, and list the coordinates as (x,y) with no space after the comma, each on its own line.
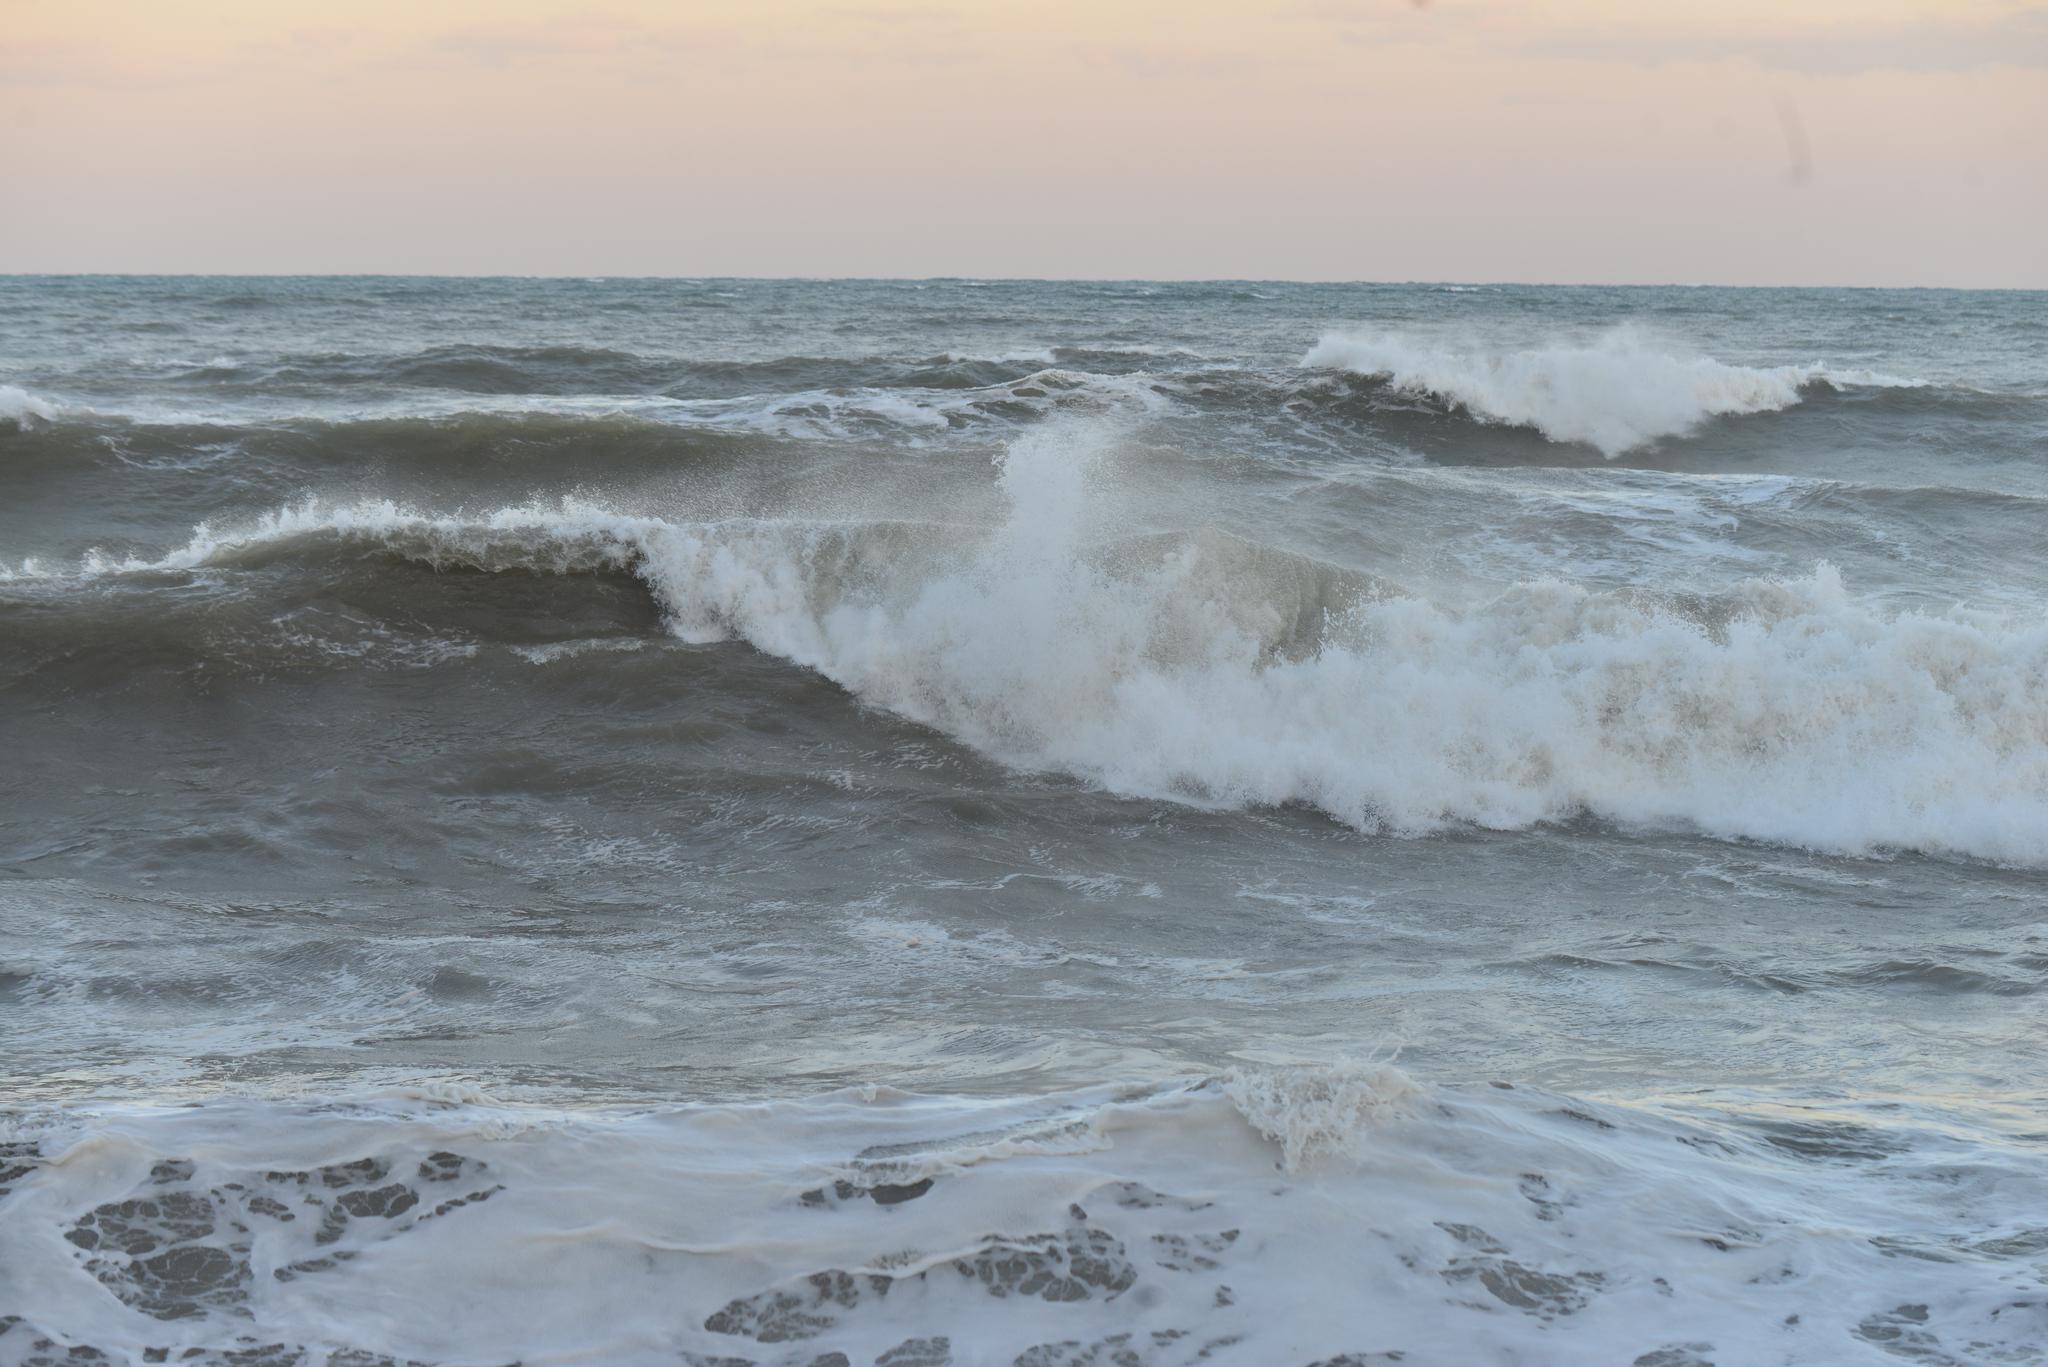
(1618,392)
(909,413)
(1806,717)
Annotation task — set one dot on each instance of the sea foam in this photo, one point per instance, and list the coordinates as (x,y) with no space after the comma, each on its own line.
(1152,1223)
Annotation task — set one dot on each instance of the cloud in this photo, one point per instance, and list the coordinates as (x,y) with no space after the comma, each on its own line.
(922,17)
(1657,35)
(92,64)
(894,33)
(573,37)
(1168,63)
(1948,43)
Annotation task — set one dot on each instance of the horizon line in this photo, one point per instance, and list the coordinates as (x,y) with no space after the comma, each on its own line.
(600,277)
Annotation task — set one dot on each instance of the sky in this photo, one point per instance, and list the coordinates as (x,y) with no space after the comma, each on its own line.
(1827,142)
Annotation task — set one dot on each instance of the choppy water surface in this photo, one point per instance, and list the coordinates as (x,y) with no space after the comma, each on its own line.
(714,822)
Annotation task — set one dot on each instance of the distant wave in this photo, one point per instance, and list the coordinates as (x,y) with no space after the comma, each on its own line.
(1617,393)
(1204,668)
(565,369)
(912,405)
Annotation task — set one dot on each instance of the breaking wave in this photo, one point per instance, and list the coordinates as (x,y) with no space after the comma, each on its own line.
(1616,393)
(1204,668)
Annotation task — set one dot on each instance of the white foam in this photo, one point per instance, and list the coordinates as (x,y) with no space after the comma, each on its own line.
(1618,392)
(1037,356)
(1468,1225)
(556,651)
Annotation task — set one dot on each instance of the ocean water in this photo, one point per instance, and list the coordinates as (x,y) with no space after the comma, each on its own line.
(718,822)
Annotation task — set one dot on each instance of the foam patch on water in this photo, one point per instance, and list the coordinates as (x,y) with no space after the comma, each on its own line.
(1147,1225)
(1617,393)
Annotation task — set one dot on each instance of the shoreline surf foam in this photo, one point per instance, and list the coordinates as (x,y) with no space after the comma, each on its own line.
(1163,1224)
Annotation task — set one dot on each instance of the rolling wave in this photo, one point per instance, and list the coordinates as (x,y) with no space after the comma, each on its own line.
(569,369)
(905,412)
(563,369)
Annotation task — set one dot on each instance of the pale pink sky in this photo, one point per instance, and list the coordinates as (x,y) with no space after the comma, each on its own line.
(1804,141)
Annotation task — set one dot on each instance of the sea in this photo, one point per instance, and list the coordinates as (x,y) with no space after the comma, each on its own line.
(752,823)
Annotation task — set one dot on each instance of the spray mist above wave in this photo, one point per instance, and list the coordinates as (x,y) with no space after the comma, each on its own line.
(20,407)
(1200,667)
(1618,392)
